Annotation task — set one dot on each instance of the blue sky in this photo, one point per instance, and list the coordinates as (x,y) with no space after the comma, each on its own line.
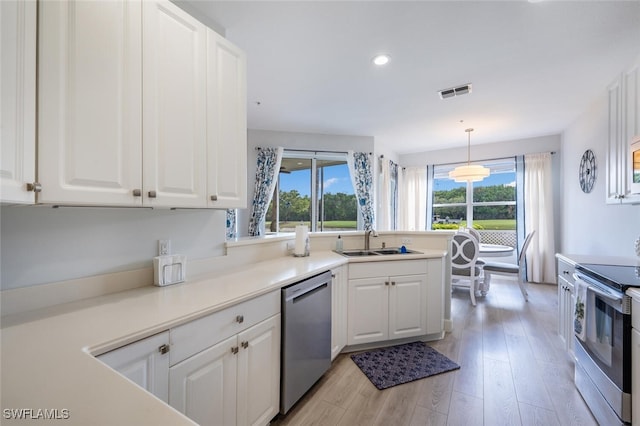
(493,179)
(336,179)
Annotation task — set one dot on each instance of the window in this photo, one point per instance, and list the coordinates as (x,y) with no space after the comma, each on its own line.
(489,204)
(313,188)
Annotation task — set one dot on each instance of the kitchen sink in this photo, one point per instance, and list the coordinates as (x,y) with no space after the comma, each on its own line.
(353,253)
(377,252)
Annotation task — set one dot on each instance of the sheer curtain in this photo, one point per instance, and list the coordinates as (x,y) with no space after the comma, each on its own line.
(538,216)
(385,219)
(412,199)
(361,171)
(269,160)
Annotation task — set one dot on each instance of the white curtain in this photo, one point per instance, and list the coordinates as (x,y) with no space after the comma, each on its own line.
(538,216)
(384,219)
(412,199)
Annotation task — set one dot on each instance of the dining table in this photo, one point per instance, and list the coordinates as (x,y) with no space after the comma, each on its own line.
(495,250)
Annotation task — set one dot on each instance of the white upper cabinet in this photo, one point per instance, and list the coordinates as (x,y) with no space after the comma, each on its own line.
(624,124)
(226,123)
(89,124)
(140,104)
(18,108)
(174,97)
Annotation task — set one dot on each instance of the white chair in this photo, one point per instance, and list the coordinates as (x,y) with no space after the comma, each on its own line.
(464,270)
(509,269)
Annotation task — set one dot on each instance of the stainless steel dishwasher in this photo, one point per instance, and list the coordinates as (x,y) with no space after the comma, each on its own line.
(306,337)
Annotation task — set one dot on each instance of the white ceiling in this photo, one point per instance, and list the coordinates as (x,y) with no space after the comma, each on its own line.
(534,66)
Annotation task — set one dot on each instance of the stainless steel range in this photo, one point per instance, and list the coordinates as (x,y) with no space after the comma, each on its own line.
(603,341)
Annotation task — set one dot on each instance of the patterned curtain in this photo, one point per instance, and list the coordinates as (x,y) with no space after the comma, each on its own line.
(232,229)
(361,171)
(269,160)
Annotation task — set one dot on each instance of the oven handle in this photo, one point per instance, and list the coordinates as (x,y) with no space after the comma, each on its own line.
(615,298)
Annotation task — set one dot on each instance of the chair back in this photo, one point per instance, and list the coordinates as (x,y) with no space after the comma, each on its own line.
(464,251)
(475,234)
(525,246)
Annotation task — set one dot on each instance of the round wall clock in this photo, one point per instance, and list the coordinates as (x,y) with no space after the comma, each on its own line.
(587,172)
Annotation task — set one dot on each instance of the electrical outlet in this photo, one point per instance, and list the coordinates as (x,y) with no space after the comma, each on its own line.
(406,241)
(164,247)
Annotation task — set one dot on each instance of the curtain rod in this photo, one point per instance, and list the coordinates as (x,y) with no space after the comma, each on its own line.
(312,150)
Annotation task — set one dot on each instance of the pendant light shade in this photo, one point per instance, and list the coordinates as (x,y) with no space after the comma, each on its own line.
(469,172)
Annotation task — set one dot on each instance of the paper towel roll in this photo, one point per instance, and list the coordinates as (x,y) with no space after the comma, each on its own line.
(302,233)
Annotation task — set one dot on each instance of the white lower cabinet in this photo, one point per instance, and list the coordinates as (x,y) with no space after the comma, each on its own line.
(566,303)
(235,382)
(394,306)
(145,362)
(339,295)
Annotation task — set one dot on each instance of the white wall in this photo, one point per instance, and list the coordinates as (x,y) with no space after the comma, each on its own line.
(43,244)
(483,152)
(292,140)
(589,225)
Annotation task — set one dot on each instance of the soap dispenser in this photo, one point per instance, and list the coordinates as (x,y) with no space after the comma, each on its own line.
(339,244)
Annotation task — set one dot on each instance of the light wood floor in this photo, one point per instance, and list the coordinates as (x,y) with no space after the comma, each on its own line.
(513,372)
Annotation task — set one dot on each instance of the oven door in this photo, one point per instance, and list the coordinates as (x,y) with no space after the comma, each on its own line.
(608,327)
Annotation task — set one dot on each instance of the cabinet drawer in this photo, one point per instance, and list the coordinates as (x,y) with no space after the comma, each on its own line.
(635,314)
(197,335)
(385,269)
(566,270)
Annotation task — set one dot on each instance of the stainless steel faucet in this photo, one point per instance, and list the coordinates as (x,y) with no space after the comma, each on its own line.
(367,234)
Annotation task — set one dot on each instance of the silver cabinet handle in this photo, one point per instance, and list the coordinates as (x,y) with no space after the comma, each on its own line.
(152,194)
(163,349)
(234,350)
(137,192)
(214,198)
(34,187)
(240,319)
(245,344)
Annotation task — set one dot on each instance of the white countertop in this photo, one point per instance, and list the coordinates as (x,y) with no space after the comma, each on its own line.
(48,359)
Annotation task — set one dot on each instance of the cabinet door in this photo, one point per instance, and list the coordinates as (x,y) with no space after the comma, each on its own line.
(226,124)
(174,96)
(368,313)
(89,102)
(631,128)
(407,306)
(615,156)
(144,363)
(203,387)
(259,373)
(18,107)
(635,374)
(435,296)
(339,294)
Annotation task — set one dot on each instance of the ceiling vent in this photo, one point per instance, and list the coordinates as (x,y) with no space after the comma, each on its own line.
(455,91)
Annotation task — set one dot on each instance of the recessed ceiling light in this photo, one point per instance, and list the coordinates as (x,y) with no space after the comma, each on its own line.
(381,59)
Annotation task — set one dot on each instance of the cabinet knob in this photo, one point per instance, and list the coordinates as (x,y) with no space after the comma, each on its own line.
(386,283)
(565,272)
(234,350)
(245,344)
(240,319)
(214,198)
(163,349)
(152,194)
(137,192)
(393,283)
(34,187)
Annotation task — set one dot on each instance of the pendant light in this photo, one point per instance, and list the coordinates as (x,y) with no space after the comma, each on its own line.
(469,172)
